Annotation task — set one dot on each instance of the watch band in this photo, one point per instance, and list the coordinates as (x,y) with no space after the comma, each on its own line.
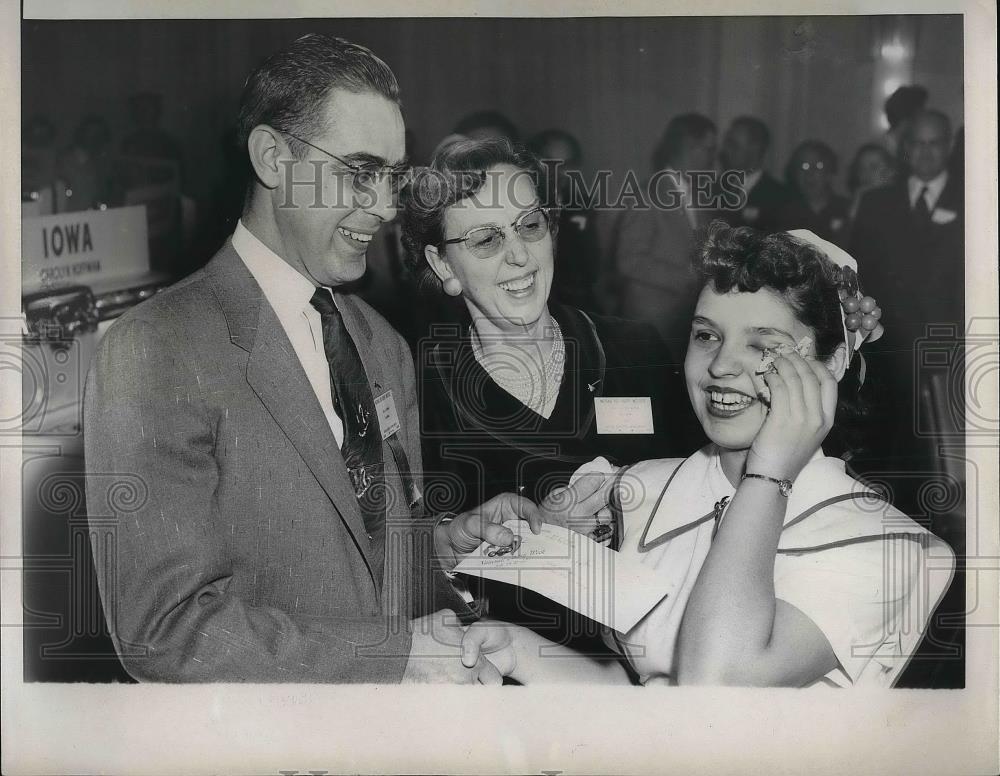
(784,486)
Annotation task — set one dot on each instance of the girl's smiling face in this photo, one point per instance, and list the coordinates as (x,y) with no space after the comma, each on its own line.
(729,334)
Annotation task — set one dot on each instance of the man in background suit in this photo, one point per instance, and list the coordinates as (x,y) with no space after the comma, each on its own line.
(744,149)
(653,245)
(578,260)
(910,235)
(268,425)
(909,241)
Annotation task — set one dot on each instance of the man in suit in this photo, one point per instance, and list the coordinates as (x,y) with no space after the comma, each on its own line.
(654,242)
(909,235)
(578,259)
(744,149)
(265,425)
(908,238)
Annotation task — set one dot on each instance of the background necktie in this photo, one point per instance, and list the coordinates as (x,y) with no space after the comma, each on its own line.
(921,212)
(352,399)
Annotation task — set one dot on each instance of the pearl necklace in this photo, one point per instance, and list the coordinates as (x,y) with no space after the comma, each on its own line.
(537,392)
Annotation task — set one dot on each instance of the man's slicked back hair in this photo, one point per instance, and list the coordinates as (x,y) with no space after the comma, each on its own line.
(288,90)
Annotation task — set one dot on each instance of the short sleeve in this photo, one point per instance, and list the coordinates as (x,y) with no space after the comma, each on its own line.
(872,599)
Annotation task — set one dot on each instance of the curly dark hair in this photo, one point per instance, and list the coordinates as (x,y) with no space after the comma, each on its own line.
(458,171)
(746,260)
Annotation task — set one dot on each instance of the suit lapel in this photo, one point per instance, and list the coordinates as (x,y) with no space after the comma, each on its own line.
(906,215)
(951,196)
(277,377)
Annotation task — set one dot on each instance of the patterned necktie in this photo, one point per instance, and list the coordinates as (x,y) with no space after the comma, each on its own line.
(352,399)
(920,210)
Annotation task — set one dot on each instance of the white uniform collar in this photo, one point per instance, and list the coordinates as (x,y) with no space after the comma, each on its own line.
(826,506)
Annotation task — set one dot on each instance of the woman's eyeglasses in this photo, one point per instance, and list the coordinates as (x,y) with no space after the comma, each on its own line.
(486,241)
(365,177)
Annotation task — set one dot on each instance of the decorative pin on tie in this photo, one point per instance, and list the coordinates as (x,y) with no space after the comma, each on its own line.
(361,479)
(363,416)
(592,386)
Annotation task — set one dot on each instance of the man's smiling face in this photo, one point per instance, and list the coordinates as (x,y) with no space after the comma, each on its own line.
(325,226)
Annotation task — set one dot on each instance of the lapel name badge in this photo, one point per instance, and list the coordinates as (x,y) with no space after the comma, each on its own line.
(388,420)
(623,414)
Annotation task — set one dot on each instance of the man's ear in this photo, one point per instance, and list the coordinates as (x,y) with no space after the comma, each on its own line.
(838,362)
(438,264)
(266,147)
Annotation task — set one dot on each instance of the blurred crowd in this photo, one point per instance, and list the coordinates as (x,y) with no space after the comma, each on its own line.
(93,172)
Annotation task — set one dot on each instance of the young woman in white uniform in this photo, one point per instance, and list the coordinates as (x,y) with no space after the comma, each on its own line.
(783,569)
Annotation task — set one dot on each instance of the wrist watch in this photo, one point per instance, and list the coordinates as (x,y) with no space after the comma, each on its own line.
(784,486)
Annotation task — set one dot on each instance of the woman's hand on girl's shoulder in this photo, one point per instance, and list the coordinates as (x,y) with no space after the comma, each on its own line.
(579,504)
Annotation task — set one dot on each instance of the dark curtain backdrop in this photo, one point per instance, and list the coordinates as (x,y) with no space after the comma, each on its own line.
(614,82)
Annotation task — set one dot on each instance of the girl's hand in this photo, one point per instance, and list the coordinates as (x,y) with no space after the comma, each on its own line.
(803,404)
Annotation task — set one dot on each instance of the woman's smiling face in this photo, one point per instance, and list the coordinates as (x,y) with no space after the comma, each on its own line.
(512,287)
(729,333)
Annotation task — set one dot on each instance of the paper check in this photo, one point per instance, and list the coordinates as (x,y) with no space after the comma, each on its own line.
(572,570)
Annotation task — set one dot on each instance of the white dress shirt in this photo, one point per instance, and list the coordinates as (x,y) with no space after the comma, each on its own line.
(288,292)
(934,188)
(751,179)
(679,183)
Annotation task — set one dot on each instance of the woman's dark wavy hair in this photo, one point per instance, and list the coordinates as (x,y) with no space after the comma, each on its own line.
(745,260)
(680,130)
(854,171)
(457,171)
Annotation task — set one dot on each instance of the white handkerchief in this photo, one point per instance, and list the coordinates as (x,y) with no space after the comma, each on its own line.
(572,570)
(943,216)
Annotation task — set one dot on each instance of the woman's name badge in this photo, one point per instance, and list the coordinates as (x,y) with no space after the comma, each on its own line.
(623,414)
(388,420)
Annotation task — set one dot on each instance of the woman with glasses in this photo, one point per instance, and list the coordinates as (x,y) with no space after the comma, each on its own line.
(517,391)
